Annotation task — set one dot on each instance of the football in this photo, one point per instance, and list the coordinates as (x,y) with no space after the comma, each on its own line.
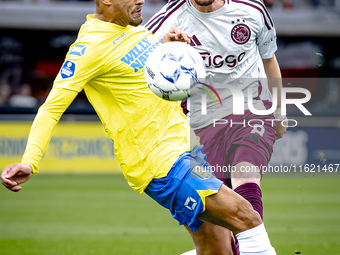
(173,71)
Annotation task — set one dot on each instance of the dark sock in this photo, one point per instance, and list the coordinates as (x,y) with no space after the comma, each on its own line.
(252,193)
(234,246)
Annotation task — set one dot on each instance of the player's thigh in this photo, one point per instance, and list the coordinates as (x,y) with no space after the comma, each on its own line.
(252,144)
(247,162)
(230,210)
(211,239)
(245,172)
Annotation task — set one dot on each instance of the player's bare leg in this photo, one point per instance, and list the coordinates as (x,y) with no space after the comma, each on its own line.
(211,239)
(230,210)
(240,176)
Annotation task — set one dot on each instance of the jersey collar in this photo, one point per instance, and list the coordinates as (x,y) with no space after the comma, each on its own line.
(103,25)
(203,15)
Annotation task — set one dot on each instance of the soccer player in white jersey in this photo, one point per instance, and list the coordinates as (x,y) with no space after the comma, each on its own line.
(154,151)
(237,40)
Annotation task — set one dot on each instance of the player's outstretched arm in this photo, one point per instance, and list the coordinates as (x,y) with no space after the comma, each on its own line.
(40,135)
(273,73)
(176,34)
(14,175)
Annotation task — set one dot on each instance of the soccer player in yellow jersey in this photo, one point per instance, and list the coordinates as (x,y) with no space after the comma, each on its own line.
(151,136)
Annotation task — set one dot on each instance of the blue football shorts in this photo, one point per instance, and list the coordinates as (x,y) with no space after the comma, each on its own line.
(184,189)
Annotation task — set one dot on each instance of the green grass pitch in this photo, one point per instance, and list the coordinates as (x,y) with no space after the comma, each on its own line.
(101,214)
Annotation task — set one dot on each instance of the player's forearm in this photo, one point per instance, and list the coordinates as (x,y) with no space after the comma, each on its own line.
(44,124)
(40,135)
(273,73)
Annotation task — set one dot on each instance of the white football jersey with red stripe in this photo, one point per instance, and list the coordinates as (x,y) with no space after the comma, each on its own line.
(232,40)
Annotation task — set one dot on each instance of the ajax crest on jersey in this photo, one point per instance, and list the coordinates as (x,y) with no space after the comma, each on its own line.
(173,71)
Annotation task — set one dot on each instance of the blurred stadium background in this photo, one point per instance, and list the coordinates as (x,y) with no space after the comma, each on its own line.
(78,206)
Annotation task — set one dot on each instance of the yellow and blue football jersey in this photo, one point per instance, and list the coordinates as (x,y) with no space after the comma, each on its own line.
(107,61)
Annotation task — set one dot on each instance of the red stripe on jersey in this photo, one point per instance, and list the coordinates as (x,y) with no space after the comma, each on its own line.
(198,43)
(254,6)
(263,7)
(154,18)
(168,15)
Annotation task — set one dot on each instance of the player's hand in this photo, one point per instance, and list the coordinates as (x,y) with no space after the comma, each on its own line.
(280,129)
(14,175)
(176,34)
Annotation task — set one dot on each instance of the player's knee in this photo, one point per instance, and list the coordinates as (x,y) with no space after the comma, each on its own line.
(254,219)
(248,216)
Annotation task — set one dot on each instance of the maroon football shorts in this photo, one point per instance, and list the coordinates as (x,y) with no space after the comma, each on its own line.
(238,138)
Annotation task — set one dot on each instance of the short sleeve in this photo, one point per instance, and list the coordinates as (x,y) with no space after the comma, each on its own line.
(161,22)
(266,38)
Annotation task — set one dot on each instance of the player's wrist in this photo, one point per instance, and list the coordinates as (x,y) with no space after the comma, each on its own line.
(278,116)
(31,166)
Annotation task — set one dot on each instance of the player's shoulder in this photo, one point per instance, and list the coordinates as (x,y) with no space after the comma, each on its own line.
(87,35)
(255,8)
(85,46)
(168,14)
